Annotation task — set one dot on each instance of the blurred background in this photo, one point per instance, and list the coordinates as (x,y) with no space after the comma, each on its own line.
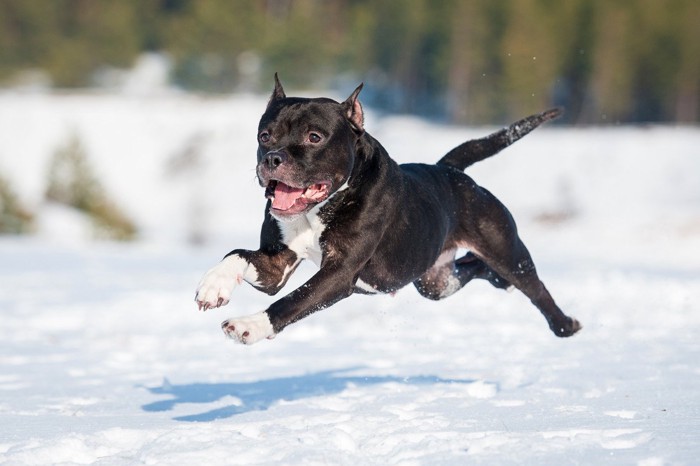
(462,61)
(126,119)
(127,169)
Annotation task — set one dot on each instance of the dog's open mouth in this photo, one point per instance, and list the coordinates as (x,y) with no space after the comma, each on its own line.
(290,200)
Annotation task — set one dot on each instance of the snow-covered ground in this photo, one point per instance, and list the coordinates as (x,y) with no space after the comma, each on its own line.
(105,360)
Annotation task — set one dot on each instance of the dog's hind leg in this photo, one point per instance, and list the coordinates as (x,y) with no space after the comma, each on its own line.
(520,271)
(440,280)
(469,266)
(447,275)
(495,241)
(497,255)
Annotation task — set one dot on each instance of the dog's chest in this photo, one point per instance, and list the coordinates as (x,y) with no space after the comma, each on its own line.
(302,235)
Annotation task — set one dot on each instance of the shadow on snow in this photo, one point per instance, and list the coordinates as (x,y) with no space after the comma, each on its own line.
(261,394)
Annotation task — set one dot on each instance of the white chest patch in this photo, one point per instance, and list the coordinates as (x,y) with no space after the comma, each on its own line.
(302,236)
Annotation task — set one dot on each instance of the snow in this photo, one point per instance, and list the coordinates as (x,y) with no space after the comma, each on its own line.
(105,360)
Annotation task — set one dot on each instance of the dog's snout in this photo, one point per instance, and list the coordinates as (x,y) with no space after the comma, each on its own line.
(275,159)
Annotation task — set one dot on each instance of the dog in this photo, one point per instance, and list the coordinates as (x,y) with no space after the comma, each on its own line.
(371,225)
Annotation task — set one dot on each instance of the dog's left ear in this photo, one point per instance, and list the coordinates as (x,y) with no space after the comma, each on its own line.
(278,92)
(353,111)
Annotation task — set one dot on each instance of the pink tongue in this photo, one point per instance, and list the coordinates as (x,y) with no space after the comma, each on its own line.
(285,196)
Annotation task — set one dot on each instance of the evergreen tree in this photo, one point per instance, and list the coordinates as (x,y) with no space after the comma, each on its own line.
(473,61)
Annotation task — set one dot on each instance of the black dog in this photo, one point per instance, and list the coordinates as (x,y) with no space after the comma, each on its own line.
(371,225)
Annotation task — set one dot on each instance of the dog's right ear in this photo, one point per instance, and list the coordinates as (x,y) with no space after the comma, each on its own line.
(277,93)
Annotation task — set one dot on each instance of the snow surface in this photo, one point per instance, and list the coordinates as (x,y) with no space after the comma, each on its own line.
(105,360)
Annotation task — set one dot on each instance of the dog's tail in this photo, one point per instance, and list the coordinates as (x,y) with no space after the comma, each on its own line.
(477,150)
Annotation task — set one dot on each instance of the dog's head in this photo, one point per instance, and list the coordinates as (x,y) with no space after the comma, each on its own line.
(306,149)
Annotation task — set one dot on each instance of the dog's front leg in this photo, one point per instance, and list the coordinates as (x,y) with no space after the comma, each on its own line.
(266,271)
(331,284)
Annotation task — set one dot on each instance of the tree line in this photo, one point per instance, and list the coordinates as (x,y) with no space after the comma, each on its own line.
(467,61)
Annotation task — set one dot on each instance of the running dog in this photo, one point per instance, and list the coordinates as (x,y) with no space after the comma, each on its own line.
(371,225)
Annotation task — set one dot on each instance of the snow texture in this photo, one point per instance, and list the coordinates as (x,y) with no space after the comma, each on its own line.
(105,360)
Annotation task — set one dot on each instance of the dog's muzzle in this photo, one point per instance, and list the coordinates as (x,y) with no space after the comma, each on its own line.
(285,188)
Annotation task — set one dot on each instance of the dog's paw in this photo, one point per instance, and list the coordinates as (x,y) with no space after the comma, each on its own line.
(215,288)
(567,328)
(249,329)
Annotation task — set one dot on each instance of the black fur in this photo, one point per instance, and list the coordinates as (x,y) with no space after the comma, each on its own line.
(383,225)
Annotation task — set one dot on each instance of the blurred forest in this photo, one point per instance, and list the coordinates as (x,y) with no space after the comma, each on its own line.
(466,61)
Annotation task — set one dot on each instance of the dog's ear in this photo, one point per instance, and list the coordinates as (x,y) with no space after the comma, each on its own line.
(278,92)
(353,111)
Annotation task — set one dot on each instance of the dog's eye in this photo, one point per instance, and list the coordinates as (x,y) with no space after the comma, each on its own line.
(264,137)
(314,138)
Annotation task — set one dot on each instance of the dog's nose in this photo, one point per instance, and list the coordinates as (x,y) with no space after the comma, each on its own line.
(275,159)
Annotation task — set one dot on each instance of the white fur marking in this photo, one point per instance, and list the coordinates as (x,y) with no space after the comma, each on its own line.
(447,256)
(453,286)
(216,286)
(287,271)
(302,235)
(249,329)
(446,259)
(365,286)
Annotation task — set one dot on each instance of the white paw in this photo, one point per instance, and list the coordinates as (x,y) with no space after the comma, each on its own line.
(249,329)
(216,286)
